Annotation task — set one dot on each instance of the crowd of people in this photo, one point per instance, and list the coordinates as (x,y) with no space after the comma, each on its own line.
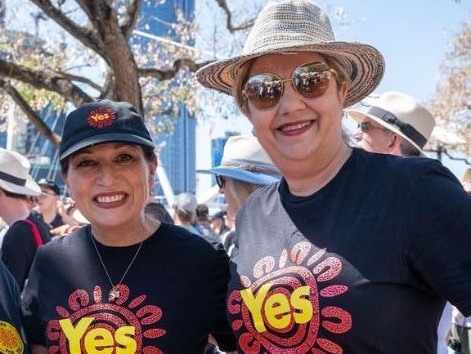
(326,245)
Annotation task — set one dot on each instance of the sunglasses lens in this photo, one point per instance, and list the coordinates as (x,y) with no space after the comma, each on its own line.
(263,91)
(312,80)
(220,181)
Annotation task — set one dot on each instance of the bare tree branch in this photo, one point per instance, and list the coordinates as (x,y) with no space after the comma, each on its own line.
(111,44)
(168,74)
(82,34)
(133,11)
(77,78)
(223,5)
(45,79)
(29,112)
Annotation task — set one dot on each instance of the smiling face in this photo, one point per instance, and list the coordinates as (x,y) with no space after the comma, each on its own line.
(110,183)
(47,201)
(298,131)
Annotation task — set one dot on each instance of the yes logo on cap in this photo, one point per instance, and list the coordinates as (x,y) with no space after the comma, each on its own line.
(101,117)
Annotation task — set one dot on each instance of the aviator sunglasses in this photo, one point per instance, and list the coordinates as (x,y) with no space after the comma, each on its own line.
(365,127)
(220,180)
(310,80)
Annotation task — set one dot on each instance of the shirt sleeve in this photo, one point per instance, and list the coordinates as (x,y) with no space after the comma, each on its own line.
(18,250)
(34,327)
(220,327)
(440,217)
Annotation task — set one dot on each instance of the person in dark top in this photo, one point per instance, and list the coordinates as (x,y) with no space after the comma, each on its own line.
(349,244)
(142,285)
(48,203)
(25,232)
(202,222)
(158,211)
(12,339)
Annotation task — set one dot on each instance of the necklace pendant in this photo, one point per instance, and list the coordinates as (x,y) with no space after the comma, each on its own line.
(114,294)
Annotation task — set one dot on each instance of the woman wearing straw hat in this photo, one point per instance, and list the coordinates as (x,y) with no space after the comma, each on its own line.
(352,252)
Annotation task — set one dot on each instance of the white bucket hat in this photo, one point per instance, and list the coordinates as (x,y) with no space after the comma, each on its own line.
(299,25)
(401,114)
(14,174)
(245,160)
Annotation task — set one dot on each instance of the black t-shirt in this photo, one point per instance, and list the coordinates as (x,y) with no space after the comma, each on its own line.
(171,298)
(11,332)
(19,247)
(362,266)
(56,222)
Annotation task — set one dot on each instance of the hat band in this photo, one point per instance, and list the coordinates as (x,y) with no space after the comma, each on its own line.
(12,179)
(253,168)
(407,129)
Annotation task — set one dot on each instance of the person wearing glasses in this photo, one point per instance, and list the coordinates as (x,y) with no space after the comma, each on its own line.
(349,244)
(244,167)
(395,123)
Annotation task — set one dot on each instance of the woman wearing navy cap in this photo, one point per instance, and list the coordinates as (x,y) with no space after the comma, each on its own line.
(125,282)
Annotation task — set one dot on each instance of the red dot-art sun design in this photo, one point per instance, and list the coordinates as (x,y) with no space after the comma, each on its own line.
(280,310)
(107,318)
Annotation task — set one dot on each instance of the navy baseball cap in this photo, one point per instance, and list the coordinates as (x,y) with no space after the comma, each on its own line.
(44,182)
(100,122)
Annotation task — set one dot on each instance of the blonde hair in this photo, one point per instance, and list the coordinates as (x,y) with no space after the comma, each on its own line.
(240,190)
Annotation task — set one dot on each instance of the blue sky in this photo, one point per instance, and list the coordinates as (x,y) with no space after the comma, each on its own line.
(413,36)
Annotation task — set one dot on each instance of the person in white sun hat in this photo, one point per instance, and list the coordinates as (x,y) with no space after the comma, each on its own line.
(349,243)
(395,123)
(244,167)
(25,231)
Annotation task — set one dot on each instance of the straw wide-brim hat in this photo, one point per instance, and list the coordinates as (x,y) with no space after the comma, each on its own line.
(401,114)
(293,26)
(14,174)
(244,159)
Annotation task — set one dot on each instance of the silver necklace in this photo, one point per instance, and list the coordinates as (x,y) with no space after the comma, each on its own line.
(114,293)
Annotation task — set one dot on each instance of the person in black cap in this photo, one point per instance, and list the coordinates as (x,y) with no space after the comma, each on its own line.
(144,285)
(48,203)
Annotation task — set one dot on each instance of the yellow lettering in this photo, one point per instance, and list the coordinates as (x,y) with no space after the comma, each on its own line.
(75,334)
(124,337)
(277,310)
(303,304)
(254,304)
(99,340)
